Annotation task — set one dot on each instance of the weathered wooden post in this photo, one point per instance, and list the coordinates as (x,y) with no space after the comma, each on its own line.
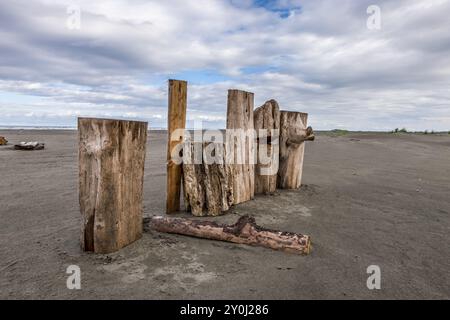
(208,182)
(111,177)
(240,143)
(176,121)
(267,126)
(293,133)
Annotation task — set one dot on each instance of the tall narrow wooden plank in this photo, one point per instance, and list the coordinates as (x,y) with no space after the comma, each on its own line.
(176,120)
(267,126)
(111,178)
(240,139)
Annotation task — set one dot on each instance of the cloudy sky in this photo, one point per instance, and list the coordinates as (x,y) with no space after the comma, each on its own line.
(313,56)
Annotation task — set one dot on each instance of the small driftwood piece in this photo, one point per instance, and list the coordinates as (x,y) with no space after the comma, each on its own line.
(293,134)
(244,231)
(300,136)
(267,125)
(207,179)
(3,141)
(29,146)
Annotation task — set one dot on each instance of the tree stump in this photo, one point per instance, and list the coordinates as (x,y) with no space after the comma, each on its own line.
(293,133)
(267,125)
(240,144)
(111,177)
(176,124)
(208,183)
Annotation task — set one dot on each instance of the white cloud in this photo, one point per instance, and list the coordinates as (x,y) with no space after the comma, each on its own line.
(319,58)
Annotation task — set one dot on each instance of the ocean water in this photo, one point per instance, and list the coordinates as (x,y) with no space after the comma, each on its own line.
(3,127)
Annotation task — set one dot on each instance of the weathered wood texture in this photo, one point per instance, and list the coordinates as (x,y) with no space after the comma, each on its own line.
(207,179)
(111,177)
(176,120)
(244,231)
(240,143)
(293,133)
(267,125)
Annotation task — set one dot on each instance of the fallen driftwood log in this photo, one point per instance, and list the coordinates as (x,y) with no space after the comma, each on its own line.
(29,146)
(244,231)
(3,141)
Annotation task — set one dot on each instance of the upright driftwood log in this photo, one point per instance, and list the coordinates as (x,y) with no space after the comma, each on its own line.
(244,231)
(267,126)
(208,180)
(293,133)
(240,143)
(176,121)
(111,177)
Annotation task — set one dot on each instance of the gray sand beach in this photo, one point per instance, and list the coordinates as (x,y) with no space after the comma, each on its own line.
(368,199)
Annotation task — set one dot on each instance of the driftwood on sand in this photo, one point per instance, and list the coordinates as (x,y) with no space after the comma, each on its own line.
(207,179)
(111,177)
(176,120)
(241,146)
(244,231)
(293,134)
(267,125)
(29,146)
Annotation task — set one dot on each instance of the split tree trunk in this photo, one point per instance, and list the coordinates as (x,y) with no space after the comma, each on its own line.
(293,133)
(267,125)
(240,144)
(208,180)
(176,120)
(244,231)
(111,177)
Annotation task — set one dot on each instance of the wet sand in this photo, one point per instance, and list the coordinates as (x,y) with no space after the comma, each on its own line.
(368,199)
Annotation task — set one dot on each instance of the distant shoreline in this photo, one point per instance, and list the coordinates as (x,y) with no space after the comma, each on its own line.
(54,128)
(159,129)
